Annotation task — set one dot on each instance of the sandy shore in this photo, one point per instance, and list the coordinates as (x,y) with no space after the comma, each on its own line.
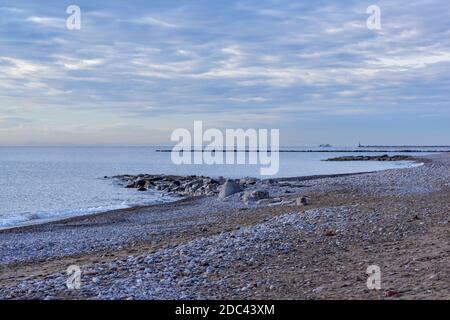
(207,248)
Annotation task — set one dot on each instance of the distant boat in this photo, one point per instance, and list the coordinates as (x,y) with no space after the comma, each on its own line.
(325,145)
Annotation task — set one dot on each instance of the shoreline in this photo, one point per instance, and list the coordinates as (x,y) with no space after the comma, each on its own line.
(82,217)
(206,248)
(38,222)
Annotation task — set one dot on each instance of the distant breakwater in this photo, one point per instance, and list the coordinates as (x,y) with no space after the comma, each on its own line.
(375,146)
(315,150)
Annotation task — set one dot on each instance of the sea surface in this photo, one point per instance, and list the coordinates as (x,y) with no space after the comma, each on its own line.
(38,184)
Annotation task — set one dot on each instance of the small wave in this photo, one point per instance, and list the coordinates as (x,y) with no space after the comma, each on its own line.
(28,218)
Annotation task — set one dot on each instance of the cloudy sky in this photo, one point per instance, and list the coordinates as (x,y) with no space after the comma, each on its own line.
(139,69)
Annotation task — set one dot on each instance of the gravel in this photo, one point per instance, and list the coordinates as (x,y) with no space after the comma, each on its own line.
(201,268)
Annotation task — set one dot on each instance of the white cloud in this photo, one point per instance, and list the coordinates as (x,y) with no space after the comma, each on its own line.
(71,63)
(45,89)
(48,21)
(12,9)
(19,68)
(248,99)
(347,93)
(300,58)
(155,22)
(418,61)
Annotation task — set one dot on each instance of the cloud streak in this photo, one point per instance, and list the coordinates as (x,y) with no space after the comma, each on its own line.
(165,64)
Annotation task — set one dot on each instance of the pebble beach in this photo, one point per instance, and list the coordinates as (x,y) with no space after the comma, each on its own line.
(286,238)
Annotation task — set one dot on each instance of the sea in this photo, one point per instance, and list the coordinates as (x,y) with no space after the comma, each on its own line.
(39,184)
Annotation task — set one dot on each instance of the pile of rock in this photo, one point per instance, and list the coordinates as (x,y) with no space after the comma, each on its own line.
(250,191)
(187,185)
(384,157)
(182,185)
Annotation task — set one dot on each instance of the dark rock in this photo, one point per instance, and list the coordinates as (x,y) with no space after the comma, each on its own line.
(180,185)
(303,201)
(141,183)
(384,157)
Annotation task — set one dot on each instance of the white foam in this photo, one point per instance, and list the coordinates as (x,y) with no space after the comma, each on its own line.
(28,218)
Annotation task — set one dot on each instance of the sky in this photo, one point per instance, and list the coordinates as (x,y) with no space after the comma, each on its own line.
(137,70)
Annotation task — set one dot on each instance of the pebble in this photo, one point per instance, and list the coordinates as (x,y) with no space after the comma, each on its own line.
(178,271)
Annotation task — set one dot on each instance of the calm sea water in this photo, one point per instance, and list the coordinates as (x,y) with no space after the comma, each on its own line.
(44,183)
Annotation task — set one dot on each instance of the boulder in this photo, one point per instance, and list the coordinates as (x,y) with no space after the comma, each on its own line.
(254,195)
(141,184)
(176,183)
(247,180)
(303,201)
(229,188)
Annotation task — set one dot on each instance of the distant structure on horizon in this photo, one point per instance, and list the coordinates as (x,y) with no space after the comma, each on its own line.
(400,146)
(325,145)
